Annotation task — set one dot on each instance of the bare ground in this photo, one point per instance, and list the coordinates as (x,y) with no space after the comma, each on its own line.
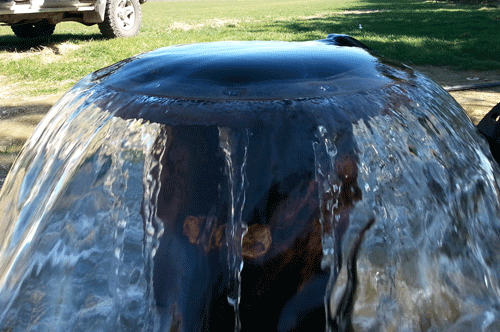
(19,115)
(475,102)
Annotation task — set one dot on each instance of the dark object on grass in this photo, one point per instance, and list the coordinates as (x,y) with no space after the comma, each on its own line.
(489,126)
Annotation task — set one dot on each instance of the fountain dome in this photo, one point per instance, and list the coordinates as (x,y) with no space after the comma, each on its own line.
(282,186)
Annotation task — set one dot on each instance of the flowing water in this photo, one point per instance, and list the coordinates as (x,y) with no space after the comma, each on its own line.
(374,211)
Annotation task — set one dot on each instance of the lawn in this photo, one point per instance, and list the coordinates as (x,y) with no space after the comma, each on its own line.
(414,32)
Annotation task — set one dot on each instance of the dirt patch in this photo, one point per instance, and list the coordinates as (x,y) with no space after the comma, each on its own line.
(477,103)
(49,53)
(215,23)
(345,12)
(20,115)
(363,11)
(18,118)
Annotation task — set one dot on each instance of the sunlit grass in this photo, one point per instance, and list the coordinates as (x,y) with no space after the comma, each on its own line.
(415,32)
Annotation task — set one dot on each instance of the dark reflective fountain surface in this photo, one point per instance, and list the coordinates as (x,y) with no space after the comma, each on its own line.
(252,186)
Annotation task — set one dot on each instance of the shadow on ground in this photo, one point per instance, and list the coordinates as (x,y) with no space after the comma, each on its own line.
(14,44)
(425,32)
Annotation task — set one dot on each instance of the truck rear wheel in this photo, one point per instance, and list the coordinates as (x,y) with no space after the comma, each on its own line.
(32,30)
(121,19)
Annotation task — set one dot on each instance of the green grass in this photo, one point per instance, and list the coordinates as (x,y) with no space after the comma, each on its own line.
(11,149)
(414,32)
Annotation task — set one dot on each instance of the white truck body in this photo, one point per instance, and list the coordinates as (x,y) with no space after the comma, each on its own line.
(116,18)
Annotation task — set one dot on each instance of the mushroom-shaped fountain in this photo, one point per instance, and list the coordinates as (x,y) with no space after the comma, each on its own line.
(253,186)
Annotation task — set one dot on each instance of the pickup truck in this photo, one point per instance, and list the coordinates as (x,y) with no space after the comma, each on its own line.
(38,18)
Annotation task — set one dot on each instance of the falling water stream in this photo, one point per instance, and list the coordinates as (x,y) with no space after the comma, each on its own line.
(235,150)
(373,209)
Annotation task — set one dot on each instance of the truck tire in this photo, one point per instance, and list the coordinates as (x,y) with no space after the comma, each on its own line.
(121,19)
(32,30)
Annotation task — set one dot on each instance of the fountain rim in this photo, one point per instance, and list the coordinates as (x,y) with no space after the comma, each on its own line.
(200,76)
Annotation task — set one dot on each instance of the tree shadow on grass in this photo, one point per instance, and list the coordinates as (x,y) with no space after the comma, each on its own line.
(418,32)
(15,44)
